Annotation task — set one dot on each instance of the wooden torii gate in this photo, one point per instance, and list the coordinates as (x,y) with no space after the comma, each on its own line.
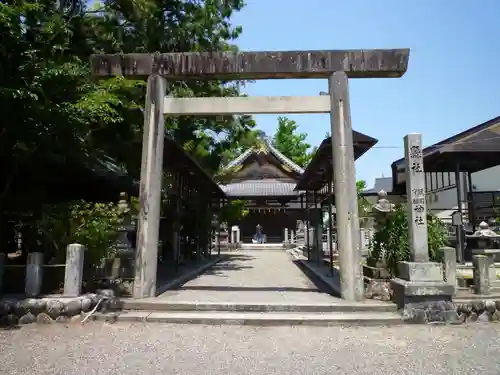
(336,66)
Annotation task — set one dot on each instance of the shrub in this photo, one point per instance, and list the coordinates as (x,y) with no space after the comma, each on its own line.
(390,242)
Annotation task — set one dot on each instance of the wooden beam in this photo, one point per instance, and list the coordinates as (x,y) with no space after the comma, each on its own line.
(247,105)
(376,63)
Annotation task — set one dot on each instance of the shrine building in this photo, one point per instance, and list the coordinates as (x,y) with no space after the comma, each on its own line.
(266,179)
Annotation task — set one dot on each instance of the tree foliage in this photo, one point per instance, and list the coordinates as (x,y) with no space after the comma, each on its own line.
(291,143)
(56,116)
(53,111)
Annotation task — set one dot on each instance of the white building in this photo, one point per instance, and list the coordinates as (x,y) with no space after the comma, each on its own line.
(476,152)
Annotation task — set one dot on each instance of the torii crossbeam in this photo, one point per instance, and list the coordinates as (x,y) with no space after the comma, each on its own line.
(337,66)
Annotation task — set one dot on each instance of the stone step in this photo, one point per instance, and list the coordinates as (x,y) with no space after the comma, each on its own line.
(468,297)
(255,319)
(266,246)
(158,304)
(468,293)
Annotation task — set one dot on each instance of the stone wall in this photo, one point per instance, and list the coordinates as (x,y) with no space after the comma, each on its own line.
(55,309)
(378,289)
(479,311)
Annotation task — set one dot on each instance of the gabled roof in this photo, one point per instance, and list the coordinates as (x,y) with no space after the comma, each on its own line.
(381,183)
(273,150)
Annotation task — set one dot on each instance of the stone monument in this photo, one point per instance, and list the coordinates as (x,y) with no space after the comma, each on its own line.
(420,287)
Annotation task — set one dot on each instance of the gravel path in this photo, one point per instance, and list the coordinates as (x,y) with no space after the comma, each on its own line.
(136,349)
(252,276)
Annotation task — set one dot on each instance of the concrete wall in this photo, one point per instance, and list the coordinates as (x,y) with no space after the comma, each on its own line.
(446,198)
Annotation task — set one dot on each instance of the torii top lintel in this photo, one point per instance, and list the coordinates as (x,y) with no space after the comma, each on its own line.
(374,63)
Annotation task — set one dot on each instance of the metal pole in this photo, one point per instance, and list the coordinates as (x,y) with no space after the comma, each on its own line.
(307,226)
(460,242)
(318,234)
(301,212)
(179,222)
(208,229)
(470,201)
(330,224)
(221,204)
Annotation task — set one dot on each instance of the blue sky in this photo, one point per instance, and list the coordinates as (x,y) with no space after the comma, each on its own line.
(453,78)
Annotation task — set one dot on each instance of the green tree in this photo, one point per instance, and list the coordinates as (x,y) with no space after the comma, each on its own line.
(135,26)
(52,109)
(364,206)
(292,144)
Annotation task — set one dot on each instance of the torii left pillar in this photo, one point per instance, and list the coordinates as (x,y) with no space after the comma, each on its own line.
(150,189)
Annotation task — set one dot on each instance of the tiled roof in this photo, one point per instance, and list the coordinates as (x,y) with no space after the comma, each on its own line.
(259,188)
(381,183)
(240,159)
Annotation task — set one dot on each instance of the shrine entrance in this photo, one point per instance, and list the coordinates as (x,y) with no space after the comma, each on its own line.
(336,66)
(272,220)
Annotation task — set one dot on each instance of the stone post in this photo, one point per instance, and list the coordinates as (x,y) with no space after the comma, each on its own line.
(344,182)
(418,280)
(233,235)
(287,238)
(34,274)
(73,275)
(481,272)
(238,235)
(148,225)
(449,259)
(415,192)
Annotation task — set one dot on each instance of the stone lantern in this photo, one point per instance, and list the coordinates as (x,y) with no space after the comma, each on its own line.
(484,241)
(382,209)
(214,223)
(126,242)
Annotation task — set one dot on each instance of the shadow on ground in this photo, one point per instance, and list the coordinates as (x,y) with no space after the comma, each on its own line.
(9,326)
(318,283)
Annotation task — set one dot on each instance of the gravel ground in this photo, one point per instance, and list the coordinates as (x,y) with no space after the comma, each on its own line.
(252,276)
(136,349)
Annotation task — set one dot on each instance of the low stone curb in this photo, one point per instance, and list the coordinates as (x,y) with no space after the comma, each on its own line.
(189,275)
